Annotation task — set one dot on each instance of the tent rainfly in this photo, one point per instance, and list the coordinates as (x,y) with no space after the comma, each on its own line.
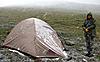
(36,38)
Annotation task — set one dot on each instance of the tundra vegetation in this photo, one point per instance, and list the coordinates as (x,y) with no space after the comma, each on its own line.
(67,23)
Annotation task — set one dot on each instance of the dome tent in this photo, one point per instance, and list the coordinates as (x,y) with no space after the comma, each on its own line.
(36,38)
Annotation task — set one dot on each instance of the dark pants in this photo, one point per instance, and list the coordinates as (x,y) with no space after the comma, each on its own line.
(89,42)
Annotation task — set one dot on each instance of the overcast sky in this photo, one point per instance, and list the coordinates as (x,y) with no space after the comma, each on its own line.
(4,3)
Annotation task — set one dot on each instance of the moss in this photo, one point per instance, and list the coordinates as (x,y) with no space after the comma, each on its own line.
(98,57)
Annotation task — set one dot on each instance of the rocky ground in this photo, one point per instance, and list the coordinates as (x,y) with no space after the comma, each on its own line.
(75,47)
(76,54)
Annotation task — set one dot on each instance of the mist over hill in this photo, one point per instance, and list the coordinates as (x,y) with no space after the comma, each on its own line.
(64,6)
(76,6)
(58,6)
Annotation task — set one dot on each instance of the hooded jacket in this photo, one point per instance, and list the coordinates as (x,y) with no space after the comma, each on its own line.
(90,24)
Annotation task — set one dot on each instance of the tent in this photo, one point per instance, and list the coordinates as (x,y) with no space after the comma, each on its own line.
(36,38)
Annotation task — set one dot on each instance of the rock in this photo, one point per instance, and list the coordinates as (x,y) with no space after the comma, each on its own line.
(7,26)
(82,48)
(84,60)
(1,56)
(5,60)
(78,38)
(69,43)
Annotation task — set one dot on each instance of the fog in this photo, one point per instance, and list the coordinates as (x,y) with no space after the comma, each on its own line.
(4,3)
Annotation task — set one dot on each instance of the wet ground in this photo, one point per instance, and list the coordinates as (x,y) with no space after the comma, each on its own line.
(75,48)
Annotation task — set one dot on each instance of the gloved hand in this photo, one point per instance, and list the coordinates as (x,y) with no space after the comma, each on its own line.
(86,30)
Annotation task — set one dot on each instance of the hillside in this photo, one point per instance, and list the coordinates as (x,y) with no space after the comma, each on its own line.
(66,23)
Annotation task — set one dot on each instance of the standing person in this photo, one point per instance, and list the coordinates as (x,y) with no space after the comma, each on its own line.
(89,33)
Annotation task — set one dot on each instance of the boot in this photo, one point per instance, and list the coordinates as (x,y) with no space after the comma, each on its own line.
(89,55)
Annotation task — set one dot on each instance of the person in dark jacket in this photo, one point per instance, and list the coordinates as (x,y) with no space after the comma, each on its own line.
(89,33)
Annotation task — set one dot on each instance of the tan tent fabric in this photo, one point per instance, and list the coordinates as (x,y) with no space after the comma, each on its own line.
(35,37)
